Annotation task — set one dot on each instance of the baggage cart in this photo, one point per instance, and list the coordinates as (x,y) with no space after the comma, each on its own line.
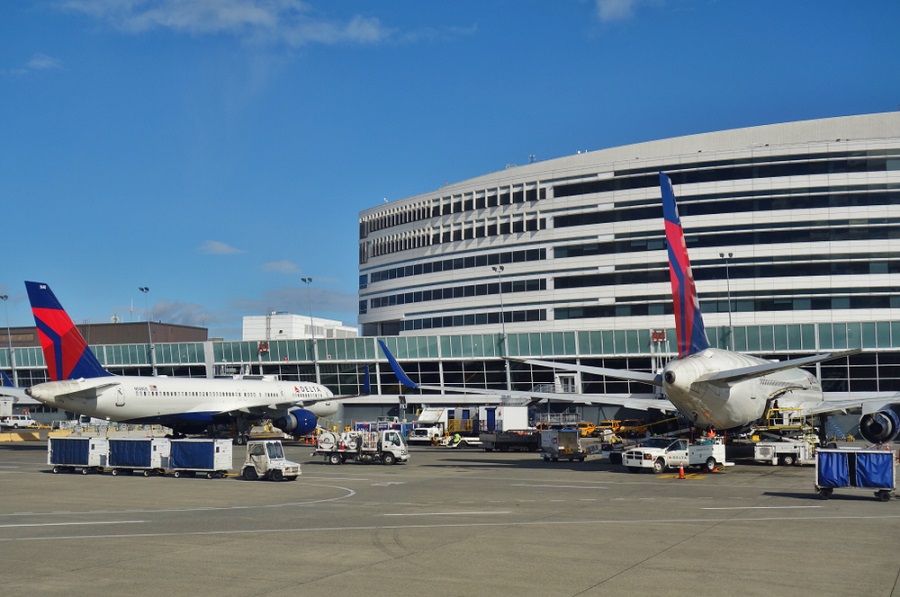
(149,456)
(68,454)
(871,469)
(207,457)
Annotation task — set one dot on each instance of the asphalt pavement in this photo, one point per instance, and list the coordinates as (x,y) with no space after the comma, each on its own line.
(449,522)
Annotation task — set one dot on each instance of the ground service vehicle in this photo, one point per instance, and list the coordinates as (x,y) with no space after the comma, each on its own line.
(387,446)
(659,453)
(786,451)
(17,422)
(68,454)
(515,439)
(632,428)
(586,428)
(430,427)
(265,460)
(562,443)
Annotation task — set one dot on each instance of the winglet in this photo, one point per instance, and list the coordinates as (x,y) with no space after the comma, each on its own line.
(398,370)
(688,320)
(65,349)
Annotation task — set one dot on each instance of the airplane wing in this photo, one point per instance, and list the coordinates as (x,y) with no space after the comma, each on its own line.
(523,396)
(641,376)
(867,404)
(736,375)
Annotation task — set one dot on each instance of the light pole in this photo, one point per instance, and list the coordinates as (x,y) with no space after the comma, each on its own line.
(312,328)
(12,355)
(726,257)
(146,291)
(498,269)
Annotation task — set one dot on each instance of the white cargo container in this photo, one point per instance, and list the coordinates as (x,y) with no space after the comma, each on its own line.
(68,454)
(210,457)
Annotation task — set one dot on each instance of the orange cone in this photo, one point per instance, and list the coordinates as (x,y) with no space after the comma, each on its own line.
(681,471)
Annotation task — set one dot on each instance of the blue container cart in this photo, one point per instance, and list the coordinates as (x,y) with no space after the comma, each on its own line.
(871,469)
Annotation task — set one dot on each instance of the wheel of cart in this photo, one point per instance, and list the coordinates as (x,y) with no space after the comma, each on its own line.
(883,495)
(825,492)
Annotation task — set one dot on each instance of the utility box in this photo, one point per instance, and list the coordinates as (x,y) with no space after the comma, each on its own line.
(67,454)
(211,457)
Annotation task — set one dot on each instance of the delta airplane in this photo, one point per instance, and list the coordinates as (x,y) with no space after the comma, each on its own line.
(719,388)
(78,383)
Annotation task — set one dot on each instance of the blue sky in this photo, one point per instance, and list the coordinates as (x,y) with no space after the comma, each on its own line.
(217,151)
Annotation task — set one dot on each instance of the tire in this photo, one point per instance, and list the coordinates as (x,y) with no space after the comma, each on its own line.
(825,492)
(115,472)
(883,495)
(249,474)
(147,472)
(177,474)
(335,459)
(659,465)
(710,464)
(210,475)
(85,471)
(276,475)
(388,459)
(788,459)
(55,470)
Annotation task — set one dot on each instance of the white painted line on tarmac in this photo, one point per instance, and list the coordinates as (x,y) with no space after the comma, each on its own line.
(760,507)
(562,486)
(449,513)
(67,524)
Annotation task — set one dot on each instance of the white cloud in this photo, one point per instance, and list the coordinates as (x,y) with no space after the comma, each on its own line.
(615,10)
(282,267)
(274,21)
(214,247)
(38,61)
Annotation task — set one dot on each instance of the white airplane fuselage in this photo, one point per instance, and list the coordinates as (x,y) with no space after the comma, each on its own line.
(193,401)
(724,405)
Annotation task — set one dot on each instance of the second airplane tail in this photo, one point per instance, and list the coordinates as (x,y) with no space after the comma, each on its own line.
(65,349)
(688,319)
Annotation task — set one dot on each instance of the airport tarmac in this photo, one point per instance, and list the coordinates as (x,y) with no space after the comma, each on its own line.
(449,522)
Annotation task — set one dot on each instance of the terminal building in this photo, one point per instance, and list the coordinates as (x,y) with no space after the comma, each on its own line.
(793,231)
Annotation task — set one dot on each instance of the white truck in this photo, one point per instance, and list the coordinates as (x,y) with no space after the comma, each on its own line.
(787,451)
(387,446)
(430,427)
(265,460)
(659,453)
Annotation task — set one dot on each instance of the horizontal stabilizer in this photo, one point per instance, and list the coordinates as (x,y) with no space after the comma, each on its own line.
(735,375)
(641,376)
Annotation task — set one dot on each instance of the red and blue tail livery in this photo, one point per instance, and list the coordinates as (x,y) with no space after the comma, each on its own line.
(688,319)
(65,350)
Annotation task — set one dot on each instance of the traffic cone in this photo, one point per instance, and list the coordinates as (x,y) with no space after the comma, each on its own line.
(681,471)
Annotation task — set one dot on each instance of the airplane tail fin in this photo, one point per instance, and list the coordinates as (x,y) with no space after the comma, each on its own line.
(6,381)
(688,320)
(398,370)
(65,349)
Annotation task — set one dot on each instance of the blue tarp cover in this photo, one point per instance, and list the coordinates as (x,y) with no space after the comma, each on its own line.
(69,451)
(192,455)
(832,469)
(875,470)
(131,452)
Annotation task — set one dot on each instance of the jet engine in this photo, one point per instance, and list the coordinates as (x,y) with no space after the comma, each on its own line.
(879,427)
(297,422)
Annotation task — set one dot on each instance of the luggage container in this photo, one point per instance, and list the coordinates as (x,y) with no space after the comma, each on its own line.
(863,469)
(209,457)
(68,454)
(150,455)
